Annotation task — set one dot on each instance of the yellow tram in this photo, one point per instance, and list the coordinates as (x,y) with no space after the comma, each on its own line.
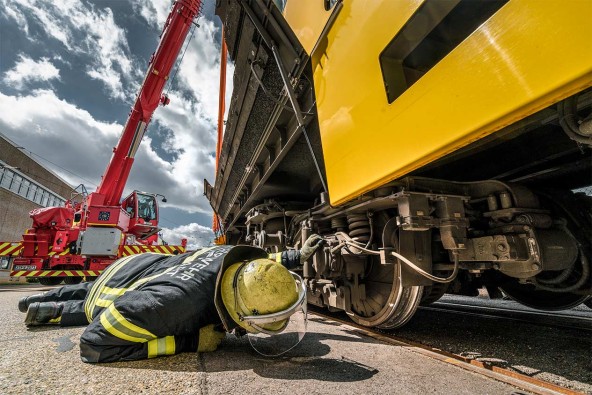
(435,145)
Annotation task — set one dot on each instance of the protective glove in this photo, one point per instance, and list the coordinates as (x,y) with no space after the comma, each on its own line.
(209,339)
(310,246)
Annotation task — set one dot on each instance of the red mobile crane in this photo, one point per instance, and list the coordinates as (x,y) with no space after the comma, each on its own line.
(84,237)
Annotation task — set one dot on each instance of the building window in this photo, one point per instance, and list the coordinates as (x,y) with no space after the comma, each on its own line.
(31,192)
(7,179)
(20,184)
(16,183)
(24,188)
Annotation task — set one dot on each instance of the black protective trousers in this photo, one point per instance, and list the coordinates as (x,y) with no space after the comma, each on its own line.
(72,297)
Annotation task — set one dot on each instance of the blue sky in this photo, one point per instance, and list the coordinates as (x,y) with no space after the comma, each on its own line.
(69,72)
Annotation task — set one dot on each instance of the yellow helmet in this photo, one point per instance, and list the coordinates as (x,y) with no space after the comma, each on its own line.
(262,297)
(258,288)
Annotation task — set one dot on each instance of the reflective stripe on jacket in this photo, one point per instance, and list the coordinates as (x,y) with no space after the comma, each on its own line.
(149,305)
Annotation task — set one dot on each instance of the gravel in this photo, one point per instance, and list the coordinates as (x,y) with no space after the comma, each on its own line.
(560,355)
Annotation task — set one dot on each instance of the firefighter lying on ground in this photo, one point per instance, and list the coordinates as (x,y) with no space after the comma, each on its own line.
(148,305)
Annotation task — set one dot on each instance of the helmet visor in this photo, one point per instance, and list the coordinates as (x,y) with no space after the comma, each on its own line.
(282,331)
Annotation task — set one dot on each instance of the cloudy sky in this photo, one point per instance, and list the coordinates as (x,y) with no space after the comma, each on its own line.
(69,73)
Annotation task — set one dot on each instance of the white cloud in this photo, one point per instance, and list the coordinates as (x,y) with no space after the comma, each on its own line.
(10,10)
(27,70)
(112,62)
(59,131)
(83,30)
(74,139)
(200,71)
(196,235)
(153,11)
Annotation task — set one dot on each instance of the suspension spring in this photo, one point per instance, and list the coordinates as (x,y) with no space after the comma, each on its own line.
(338,223)
(359,227)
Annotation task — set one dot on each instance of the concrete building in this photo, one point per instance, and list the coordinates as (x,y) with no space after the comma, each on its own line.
(25,185)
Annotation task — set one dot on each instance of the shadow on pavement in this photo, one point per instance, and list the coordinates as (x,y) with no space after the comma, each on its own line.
(305,362)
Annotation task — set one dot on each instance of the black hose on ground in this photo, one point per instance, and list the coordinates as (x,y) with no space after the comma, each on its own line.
(582,280)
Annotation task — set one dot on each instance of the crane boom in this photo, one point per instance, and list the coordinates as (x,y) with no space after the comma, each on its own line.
(91,233)
(162,61)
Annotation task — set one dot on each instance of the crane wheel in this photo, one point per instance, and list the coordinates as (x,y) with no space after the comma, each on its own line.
(50,280)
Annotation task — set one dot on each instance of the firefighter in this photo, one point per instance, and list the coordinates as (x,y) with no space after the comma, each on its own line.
(149,305)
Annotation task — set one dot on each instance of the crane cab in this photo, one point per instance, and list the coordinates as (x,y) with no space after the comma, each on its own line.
(142,208)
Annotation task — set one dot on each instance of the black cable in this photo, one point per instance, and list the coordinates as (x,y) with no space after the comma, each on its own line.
(180,60)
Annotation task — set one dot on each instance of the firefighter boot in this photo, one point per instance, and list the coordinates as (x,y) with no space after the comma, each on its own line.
(43,313)
(24,303)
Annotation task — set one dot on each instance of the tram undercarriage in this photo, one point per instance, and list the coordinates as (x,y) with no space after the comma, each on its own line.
(428,166)
(414,240)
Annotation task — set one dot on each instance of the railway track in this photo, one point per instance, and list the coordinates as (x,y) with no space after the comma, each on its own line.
(554,319)
(500,373)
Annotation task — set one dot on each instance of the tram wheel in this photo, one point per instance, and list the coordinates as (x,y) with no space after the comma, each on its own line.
(528,296)
(72,280)
(387,305)
(50,280)
(433,293)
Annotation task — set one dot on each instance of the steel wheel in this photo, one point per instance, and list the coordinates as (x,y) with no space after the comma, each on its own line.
(433,293)
(542,300)
(387,304)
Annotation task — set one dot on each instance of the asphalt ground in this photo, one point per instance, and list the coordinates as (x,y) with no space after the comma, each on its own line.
(332,359)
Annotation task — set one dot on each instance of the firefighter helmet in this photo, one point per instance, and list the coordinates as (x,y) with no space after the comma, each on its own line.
(268,301)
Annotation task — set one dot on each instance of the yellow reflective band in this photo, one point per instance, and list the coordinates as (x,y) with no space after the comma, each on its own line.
(278,257)
(106,299)
(89,304)
(145,280)
(120,327)
(161,346)
(104,302)
(113,291)
(55,320)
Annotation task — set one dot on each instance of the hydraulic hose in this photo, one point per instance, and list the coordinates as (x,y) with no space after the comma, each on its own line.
(406,261)
(561,277)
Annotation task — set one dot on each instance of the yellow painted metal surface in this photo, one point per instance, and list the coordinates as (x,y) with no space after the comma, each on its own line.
(528,55)
(307,18)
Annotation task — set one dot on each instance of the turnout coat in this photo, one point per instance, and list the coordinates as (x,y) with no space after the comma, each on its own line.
(149,305)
